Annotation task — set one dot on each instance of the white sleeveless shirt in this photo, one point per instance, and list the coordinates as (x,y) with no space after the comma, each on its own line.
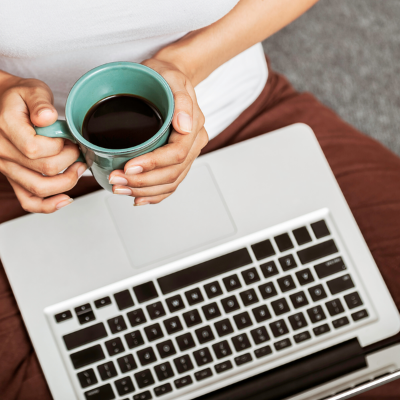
(58,41)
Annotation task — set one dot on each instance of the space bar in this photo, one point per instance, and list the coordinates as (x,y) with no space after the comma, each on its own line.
(318,251)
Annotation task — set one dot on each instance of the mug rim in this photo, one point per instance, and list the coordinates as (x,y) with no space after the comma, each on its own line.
(139,147)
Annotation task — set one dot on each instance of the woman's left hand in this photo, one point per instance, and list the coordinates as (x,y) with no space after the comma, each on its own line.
(154,176)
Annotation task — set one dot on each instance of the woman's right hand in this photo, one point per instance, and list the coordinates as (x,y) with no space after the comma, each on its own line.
(25,156)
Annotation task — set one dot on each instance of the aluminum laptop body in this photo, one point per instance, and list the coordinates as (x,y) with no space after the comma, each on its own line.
(251,281)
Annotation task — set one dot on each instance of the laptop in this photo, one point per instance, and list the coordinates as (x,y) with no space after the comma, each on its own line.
(252,281)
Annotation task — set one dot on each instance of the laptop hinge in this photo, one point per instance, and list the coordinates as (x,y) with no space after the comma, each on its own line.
(297,376)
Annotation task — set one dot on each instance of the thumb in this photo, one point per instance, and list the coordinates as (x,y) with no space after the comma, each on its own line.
(40,106)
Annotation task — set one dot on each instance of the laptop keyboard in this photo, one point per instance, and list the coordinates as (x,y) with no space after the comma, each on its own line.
(183,330)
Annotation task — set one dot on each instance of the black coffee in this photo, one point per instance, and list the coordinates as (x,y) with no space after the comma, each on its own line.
(121,121)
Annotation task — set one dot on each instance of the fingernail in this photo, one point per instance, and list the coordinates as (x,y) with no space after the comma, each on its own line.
(44,110)
(64,203)
(137,169)
(81,170)
(141,204)
(118,180)
(184,122)
(122,191)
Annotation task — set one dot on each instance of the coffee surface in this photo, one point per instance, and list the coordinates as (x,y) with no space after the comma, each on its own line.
(121,121)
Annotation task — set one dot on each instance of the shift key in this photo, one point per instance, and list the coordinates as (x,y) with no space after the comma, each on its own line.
(340,284)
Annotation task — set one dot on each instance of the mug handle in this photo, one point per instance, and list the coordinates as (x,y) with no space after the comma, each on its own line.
(59,129)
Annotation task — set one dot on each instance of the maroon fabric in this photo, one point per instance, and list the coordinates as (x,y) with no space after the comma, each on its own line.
(368,174)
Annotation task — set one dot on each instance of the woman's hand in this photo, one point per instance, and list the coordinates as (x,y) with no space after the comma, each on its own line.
(154,176)
(25,156)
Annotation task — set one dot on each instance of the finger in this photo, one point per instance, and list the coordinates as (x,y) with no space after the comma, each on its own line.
(34,204)
(151,200)
(39,185)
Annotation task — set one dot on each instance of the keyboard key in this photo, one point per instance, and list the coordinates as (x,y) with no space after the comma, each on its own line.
(286,283)
(202,356)
(283,242)
(63,316)
(320,330)
(126,363)
(316,314)
(304,277)
(192,318)
(230,304)
(330,267)
(278,328)
(213,289)
(145,292)
(163,389)
(241,342)
(117,324)
(263,249)
(143,396)
(280,306)
(301,235)
(222,349)
(123,299)
(223,327)
(156,310)
(353,300)
(205,373)
(283,344)
(87,378)
(267,290)
(243,359)
(105,301)
(288,262)
(134,339)
(144,378)
(338,323)
(211,311)
(175,303)
(261,313)
(263,351)
(269,269)
(250,276)
(359,315)
(164,371)
(299,300)
(232,283)
(107,370)
(136,317)
(317,251)
(85,313)
(153,332)
(204,334)
(243,320)
(222,367)
(185,341)
(297,321)
(124,386)
(194,296)
(182,382)
(100,393)
(146,356)
(173,325)
(249,297)
(183,364)
(260,335)
(114,346)
(166,349)
(317,293)
(320,229)
(334,307)
(340,284)
(302,337)
(84,336)
(87,356)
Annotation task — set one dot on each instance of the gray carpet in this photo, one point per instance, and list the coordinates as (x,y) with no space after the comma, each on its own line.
(347,52)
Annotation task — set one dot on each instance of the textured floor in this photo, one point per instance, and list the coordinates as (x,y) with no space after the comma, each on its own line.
(347,52)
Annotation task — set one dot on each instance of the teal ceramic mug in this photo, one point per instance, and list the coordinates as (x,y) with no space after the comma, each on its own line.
(103,81)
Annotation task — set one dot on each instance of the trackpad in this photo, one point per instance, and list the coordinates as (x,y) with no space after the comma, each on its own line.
(193,216)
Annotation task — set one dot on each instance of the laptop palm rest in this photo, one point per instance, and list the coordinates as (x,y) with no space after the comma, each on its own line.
(179,224)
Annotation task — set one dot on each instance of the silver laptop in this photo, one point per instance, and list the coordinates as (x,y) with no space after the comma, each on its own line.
(252,281)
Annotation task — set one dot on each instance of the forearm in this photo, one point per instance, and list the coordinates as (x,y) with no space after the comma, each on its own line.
(200,52)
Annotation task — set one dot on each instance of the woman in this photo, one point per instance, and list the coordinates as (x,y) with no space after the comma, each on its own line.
(209,54)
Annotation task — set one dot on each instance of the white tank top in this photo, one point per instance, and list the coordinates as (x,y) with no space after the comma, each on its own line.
(58,41)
